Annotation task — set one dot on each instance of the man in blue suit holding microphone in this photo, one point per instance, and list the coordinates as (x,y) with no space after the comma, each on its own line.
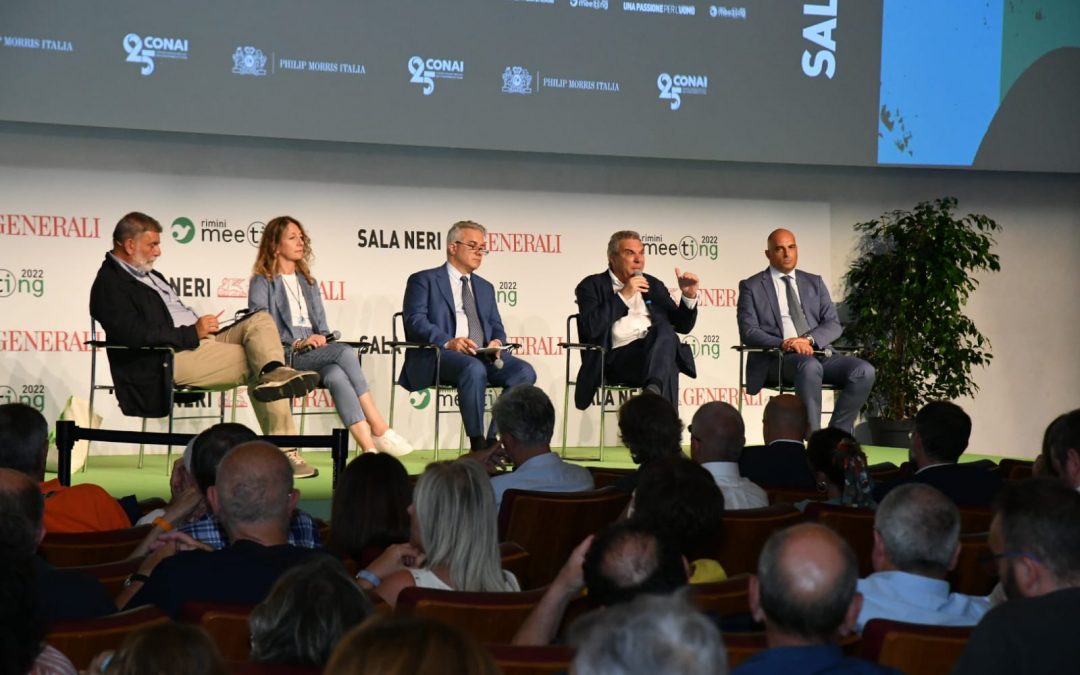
(793,311)
(453,307)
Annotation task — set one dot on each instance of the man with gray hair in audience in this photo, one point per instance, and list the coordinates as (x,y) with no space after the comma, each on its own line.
(525,419)
(805,593)
(916,543)
(717,436)
(1035,541)
(653,635)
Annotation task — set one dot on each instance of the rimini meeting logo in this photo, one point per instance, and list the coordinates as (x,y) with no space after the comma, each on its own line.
(674,87)
(426,71)
(145,49)
(248,60)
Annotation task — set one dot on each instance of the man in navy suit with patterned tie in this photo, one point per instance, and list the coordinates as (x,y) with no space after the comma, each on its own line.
(453,307)
(793,311)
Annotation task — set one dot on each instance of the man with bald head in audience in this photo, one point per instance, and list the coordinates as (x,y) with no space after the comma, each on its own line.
(781,462)
(254,499)
(805,593)
(1035,542)
(790,310)
(717,437)
(917,543)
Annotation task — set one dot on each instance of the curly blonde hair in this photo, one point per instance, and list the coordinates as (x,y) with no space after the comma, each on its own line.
(266,259)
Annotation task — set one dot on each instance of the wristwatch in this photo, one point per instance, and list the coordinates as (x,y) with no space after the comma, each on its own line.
(135,576)
(810,339)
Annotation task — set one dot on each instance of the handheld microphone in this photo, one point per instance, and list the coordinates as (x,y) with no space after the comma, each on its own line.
(498,360)
(333,336)
(644,296)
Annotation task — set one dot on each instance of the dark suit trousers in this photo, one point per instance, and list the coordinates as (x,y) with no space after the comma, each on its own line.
(649,359)
(471,375)
(854,376)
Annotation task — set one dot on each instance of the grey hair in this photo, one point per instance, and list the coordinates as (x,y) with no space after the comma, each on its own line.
(613,243)
(307,611)
(653,635)
(255,494)
(455,230)
(460,493)
(920,528)
(132,225)
(526,413)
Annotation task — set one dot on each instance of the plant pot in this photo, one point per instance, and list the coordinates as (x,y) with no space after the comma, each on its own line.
(890,433)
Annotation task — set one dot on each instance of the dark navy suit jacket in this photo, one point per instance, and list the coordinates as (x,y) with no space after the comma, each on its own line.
(430,317)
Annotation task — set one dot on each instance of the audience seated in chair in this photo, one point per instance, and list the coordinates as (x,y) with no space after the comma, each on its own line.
(24,444)
(938,439)
(182,487)
(680,498)
(652,635)
(625,560)
(650,428)
(805,593)
(781,462)
(309,609)
(525,418)
(1063,448)
(717,437)
(1035,539)
(916,543)
(208,449)
(408,645)
(370,508)
(464,557)
(22,627)
(253,497)
(62,594)
(839,466)
(165,648)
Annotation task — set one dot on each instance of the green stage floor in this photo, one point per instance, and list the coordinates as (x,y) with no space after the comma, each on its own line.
(120,476)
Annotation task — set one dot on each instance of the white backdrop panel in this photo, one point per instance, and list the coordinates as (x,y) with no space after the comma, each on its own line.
(55,226)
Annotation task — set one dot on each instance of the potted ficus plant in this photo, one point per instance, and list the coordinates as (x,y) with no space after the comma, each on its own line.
(906,291)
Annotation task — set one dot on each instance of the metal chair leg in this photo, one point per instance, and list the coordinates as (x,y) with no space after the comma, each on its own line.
(142,446)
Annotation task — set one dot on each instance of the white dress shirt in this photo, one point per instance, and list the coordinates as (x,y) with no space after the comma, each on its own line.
(739,492)
(781,298)
(461,322)
(635,325)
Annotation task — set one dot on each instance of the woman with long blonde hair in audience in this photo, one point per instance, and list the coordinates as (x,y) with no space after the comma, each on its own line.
(454,527)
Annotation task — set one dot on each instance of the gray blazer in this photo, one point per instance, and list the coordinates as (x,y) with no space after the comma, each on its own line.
(759,319)
(270,294)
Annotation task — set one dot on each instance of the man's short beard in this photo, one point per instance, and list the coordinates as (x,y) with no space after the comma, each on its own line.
(144,266)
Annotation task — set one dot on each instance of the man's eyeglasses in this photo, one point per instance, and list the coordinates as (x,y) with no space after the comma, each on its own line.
(473,246)
(989,558)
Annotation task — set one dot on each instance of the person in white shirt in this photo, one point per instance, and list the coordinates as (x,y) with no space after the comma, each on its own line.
(916,543)
(717,436)
(633,317)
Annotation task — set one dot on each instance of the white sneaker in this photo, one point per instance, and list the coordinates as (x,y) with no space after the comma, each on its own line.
(301,469)
(392,444)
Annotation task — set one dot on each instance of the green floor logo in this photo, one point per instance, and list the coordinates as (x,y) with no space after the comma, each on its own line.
(420,399)
(183,230)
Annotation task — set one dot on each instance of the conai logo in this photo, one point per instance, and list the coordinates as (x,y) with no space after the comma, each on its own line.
(672,87)
(144,49)
(424,71)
